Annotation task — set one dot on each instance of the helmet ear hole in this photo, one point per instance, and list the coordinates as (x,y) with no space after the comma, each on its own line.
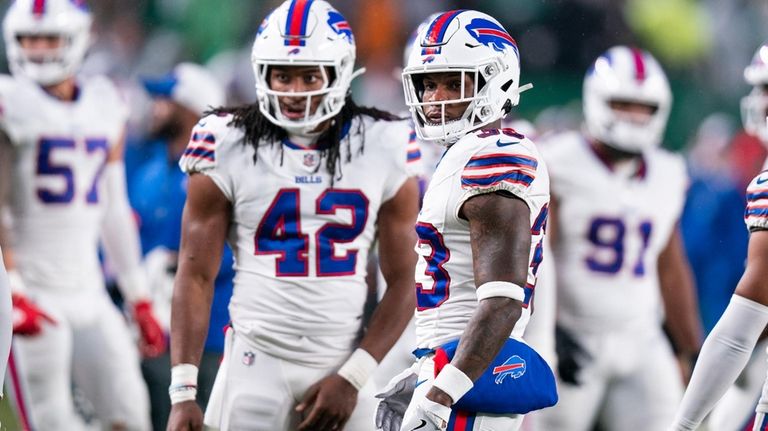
(507,84)
(507,108)
(480,82)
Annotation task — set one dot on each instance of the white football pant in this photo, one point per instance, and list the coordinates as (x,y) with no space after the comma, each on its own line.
(632,382)
(91,345)
(255,391)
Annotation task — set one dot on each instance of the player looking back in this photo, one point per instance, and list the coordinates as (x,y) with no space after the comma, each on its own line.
(300,184)
(480,232)
(62,138)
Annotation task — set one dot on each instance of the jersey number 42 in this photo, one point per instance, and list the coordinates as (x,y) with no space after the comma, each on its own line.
(280,233)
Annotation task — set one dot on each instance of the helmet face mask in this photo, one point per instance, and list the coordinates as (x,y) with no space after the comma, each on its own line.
(65,23)
(626,100)
(754,106)
(452,121)
(476,46)
(287,105)
(304,33)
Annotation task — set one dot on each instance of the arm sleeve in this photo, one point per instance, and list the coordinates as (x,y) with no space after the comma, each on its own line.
(511,169)
(204,153)
(120,237)
(724,354)
(756,213)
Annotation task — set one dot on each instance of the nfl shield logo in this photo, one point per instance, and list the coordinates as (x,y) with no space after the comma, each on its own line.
(248,358)
(310,160)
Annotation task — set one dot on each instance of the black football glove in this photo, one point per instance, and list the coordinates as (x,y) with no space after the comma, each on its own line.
(571,356)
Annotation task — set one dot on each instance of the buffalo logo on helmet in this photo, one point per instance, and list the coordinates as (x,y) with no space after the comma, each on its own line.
(428,59)
(491,34)
(340,25)
(513,367)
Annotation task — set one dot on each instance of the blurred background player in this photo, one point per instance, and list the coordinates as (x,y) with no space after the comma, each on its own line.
(157,192)
(66,190)
(728,355)
(616,201)
(479,228)
(299,183)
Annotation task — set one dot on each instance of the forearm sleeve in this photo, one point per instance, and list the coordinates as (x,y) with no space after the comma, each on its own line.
(725,352)
(120,236)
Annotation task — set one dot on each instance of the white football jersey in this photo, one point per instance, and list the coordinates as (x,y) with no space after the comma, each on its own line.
(483,162)
(300,242)
(756,213)
(611,228)
(58,201)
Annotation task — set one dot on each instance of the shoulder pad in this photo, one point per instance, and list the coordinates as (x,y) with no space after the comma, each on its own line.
(206,137)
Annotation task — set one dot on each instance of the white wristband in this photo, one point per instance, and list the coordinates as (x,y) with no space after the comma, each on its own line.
(453,382)
(358,368)
(16,282)
(183,383)
(494,289)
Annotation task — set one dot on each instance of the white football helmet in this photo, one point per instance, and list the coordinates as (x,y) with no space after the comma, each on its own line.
(68,19)
(754,106)
(624,74)
(305,33)
(471,43)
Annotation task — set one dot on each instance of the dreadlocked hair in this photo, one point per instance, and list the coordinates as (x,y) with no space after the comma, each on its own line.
(258,130)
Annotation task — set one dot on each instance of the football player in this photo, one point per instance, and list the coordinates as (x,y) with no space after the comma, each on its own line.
(616,201)
(300,183)
(62,142)
(729,346)
(480,232)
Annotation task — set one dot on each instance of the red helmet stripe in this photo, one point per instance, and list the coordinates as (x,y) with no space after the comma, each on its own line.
(438,27)
(296,24)
(502,34)
(38,7)
(639,64)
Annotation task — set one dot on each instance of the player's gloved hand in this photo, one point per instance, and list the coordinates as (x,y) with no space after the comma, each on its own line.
(152,342)
(571,356)
(28,318)
(327,405)
(395,398)
(428,416)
